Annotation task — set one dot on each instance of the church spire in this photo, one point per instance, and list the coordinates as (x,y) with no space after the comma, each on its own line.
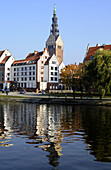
(54,30)
(55,9)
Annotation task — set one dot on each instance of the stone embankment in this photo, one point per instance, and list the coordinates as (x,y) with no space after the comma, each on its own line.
(66,101)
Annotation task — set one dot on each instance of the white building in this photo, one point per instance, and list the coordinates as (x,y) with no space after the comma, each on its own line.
(51,72)
(6,60)
(29,73)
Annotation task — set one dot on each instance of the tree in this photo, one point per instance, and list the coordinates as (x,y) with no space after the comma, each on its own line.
(70,75)
(98,71)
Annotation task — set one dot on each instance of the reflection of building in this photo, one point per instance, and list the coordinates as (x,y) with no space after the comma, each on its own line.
(42,125)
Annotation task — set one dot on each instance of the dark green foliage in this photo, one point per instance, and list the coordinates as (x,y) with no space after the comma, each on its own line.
(98,72)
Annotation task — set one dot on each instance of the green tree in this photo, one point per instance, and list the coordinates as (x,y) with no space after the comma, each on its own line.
(98,72)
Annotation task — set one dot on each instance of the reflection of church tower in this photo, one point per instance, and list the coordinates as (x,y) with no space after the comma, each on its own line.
(54,44)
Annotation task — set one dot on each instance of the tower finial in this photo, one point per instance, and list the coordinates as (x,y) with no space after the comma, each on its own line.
(55,9)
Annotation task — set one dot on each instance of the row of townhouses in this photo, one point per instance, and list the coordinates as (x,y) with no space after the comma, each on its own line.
(39,70)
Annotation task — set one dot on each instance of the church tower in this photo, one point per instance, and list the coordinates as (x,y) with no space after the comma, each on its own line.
(54,44)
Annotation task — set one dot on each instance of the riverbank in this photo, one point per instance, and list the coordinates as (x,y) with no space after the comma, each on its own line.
(55,100)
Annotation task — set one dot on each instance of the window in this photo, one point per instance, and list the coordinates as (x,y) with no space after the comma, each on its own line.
(33,72)
(45,57)
(22,68)
(33,78)
(17,69)
(53,62)
(51,78)
(14,69)
(22,79)
(55,78)
(8,69)
(25,78)
(17,79)
(8,78)
(55,68)
(55,73)
(22,73)
(33,67)
(59,46)
(41,79)
(25,68)
(14,74)
(29,68)
(8,74)
(50,46)
(14,79)
(51,73)
(29,73)
(51,68)
(29,78)
(17,74)
(42,62)
(25,73)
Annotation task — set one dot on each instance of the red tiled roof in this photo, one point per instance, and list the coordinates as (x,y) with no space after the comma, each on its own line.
(1,52)
(31,57)
(92,50)
(5,60)
(47,62)
(18,61)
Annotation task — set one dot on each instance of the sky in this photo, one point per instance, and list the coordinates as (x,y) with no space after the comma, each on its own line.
(25,26)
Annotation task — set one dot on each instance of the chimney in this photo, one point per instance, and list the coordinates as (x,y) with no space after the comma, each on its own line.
(97,45)
(35,52)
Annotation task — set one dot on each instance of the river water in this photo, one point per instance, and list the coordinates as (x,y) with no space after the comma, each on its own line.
(63,137)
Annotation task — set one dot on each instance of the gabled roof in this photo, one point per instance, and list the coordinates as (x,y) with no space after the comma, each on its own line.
(35,55)
(1,52)
(47,62)
(5,60)
(30,59)
(51,39)
(18,61)
(92,50)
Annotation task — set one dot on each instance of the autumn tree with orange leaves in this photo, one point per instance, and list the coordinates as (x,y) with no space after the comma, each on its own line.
(70,75)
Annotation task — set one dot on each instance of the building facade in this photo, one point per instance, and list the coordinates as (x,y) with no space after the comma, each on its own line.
(6,60)
(51,72)
(29,73)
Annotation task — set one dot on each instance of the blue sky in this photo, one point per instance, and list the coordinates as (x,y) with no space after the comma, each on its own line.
(25,25)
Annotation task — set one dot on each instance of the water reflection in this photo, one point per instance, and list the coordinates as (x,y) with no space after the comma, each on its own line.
(49,126)
(97,127)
